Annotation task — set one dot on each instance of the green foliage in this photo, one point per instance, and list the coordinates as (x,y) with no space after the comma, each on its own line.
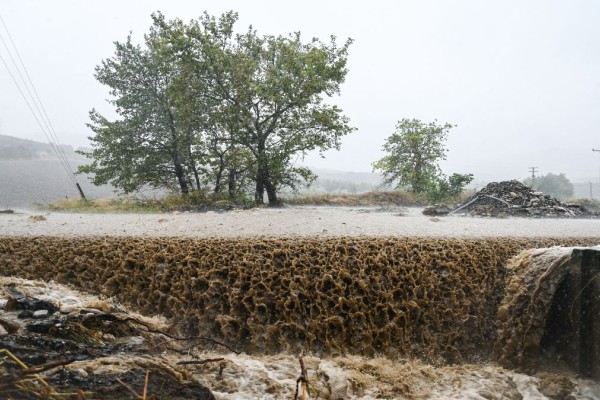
(551,184)
(200,105)
(413,152)
(149,145)
(448,189)
(264,94)
(197,200)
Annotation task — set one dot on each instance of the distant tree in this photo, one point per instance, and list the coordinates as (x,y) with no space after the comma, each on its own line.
(551,184)
(413,152)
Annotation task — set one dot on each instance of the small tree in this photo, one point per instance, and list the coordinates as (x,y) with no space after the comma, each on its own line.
(413,153)
(551,184)
(445,189)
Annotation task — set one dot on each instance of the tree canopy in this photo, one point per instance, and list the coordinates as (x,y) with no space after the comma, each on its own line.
(413,152)
(412,158)
(558,186)
(200,105)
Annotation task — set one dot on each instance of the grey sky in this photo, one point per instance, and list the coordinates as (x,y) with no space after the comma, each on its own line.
(520,79)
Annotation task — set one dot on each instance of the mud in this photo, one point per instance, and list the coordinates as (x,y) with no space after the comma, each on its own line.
(98,373)
(374,317)
(433,299)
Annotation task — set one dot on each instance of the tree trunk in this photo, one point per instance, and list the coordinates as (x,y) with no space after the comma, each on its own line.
(262,173)
(196,177)
(231,183)
(259,192)
(192,164)
(218,181)
(219,176)
(272,195)
(179,171)
(180,174)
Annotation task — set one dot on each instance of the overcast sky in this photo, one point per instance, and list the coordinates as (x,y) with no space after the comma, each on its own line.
(520,79)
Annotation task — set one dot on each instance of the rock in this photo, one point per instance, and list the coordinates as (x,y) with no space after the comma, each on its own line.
(43,326)
(80,372)
(39,314)
(9,326)
(19,301)
(438,209)
(25,314)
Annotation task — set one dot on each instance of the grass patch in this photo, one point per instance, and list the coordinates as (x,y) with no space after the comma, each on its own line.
(195,201)
(391,198)
(592,205)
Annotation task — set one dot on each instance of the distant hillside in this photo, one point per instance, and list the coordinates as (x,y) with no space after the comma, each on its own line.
(12,148)
(30,172)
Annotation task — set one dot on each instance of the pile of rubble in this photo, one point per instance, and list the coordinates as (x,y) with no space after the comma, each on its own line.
(515,199)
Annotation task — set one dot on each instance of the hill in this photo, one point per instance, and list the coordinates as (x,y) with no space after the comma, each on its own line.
(30,173)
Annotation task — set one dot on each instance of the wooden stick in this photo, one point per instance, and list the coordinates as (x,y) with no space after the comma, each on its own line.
(198,362)
(137,396)
(144,397)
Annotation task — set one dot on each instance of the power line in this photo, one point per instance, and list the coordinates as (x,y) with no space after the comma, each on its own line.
(46,120)
(598,150)
(48,131)
(37,119)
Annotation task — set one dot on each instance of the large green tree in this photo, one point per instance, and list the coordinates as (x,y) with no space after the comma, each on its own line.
(149,145)
(200,103)
(413,153)
(266,94)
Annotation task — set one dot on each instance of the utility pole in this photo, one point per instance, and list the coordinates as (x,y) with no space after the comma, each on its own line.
(533,170)
(598,150)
